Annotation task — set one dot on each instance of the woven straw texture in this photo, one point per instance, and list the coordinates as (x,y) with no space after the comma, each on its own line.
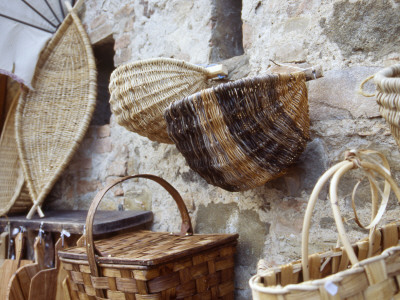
(152,265)
(53,118)
(240,135)
(14,195)
(369,269)
(388,86)
(141,91)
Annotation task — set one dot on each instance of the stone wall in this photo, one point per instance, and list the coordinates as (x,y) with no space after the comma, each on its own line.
(349,39)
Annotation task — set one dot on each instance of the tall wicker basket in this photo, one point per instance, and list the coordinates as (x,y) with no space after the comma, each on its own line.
(241,134)
(152,265)
(388,85)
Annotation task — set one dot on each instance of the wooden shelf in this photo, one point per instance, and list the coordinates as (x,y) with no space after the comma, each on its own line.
(73,221)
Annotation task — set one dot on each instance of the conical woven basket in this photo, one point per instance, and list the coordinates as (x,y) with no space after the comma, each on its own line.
(53,118)
(388,97)
(14,195)
(240,135)
(141,91)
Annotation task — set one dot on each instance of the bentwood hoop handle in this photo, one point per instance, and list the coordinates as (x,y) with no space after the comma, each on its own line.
(186,227)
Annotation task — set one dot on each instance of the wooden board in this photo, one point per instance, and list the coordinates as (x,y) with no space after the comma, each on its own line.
(73,221)
(19,284)
(10,266)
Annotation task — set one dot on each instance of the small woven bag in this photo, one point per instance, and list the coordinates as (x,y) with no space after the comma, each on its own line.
(241,134)
(370,269)
(140,92)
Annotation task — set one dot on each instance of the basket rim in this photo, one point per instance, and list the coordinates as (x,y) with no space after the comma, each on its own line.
(386,76)
(240,82)
(312,285)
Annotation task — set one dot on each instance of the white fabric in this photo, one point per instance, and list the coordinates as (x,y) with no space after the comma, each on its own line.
(20,45)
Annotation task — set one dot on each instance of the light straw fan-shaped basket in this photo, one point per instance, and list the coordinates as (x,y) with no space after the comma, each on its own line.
(140,92)
(53,118)
(14,195)
(388,97)
(241,134)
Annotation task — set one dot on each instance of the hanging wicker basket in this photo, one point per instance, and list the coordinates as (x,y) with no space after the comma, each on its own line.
(53,118)
(141,91)
(14,195)
(388,97)
(241,134)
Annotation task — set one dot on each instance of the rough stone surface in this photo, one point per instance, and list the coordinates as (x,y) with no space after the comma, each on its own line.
(349,39)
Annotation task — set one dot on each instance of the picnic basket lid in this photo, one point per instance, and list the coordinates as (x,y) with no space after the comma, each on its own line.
(241,134)
(53,118)
(147,248)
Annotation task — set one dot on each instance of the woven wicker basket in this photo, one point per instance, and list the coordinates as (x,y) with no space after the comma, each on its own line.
(141,91)
(14,195)
(152,265)
(369,269)
(388,97)
(240,135)
(53,118)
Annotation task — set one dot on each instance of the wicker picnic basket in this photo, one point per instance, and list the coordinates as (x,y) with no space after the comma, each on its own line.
(14,195)
(241,134)
(388,97)
(53,118)
(152,265)
(369,269)
(140,92)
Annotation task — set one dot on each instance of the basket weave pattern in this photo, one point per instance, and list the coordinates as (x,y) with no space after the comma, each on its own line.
(53,118)
(242,134)
(374,278)
(14,195)
(141,91)
(208,275)
(388,86)
(152,265)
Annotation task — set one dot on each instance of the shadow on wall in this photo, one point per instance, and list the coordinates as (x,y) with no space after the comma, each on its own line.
(227,218)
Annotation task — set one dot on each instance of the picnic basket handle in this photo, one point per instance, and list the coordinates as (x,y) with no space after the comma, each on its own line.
(336,172)
(186,227)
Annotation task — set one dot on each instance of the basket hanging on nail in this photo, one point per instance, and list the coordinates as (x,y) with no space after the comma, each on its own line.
(241,134)
(140,92)
(388,97)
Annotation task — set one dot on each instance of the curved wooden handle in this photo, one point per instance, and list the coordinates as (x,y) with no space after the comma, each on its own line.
(186,227)
(336,172)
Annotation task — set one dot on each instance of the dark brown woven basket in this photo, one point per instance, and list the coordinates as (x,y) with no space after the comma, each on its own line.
(152,265)
(241,134)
